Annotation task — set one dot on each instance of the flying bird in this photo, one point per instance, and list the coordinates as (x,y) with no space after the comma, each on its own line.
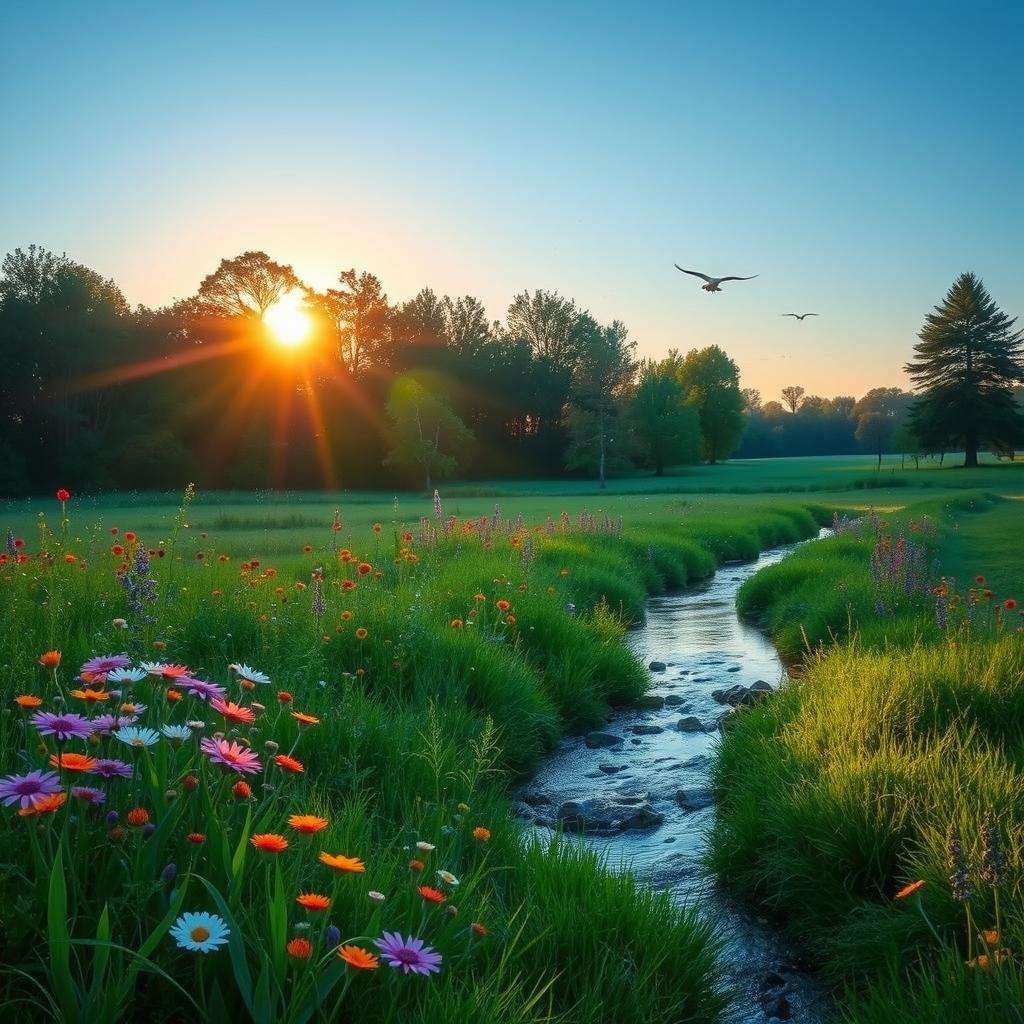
(799,316)
(713,282)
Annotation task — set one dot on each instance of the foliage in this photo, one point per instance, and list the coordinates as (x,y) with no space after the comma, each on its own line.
(667,428)
(711,381)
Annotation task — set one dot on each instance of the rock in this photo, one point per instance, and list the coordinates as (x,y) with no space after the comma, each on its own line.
(726,720)
(647,730)
(657,666)
(761,686)
(772,980)
(593,775)
(607,815)
(611,769)
(521,810)
(733,668)
(742,696)
(651,701)
(690,724)
(595,740)
(672,700)
(636,742)
(695,799)
(698,761)
(536,799)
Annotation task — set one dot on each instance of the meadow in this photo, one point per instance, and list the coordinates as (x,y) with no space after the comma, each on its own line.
(876,806)
(270,741)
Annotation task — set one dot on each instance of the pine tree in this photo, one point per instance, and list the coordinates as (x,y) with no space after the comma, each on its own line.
(967,361)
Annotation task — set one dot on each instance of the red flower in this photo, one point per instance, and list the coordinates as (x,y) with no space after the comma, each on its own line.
(1010,604)
(63,495)
(431,895)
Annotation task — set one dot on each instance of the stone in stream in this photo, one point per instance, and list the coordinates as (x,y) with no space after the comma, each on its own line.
(741,696)
(657,666)
(647,730)
(611,769)
(694,799)
(595,740)
(536,799)
(776,1006)
(651,702)
(607,815)
(690,724)
(733,668)
(672,700)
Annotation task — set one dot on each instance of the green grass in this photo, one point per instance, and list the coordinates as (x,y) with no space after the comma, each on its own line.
(843,788)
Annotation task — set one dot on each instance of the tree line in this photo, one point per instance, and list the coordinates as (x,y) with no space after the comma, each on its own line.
(103,395)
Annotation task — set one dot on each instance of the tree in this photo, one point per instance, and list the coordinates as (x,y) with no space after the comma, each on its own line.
(427,433)
(968,360)
(360,317)
(602,375)
(667,429)
(711,381)
(549,323)
(246,286)
(878,414)
(791,396)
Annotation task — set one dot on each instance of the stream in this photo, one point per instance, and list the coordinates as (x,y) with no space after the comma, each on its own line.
(639,788)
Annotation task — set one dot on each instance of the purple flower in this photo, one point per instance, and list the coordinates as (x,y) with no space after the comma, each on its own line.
(409,954)
(111,768)
(28,789)
(106,724)
(333,936)
(200,688)
(64,726)
(231,755)
(102,665)
(90,794)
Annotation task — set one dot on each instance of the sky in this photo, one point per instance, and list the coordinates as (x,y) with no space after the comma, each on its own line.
(857,157)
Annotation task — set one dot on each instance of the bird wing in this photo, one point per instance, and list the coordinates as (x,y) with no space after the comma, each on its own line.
(795,315)
(811,314)
(751,278)
(696,273)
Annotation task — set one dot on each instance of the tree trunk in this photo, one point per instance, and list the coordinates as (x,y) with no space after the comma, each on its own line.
(971,448)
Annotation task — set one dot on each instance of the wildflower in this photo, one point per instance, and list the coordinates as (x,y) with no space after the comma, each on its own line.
(431,895)
(199,933)
(232,755)
(269,842)
(308,823)
(909,890)
(1009,604)
(119,623)
(510,619)
(482,834)
(73,762)
(289,764)
(992,857)
(63,494)
(50,659)
(136,736)
(456,624)
(250,675)
(91,696)
(361,633)
(161,670)
(63,726)
(233,712)
(284,697)
(990,937)
(102,665)
(359,958)
(303,719)
(111,768)
(502,605)
(172,695)
(958,880)
(478,929)
(196,838)
(409,954)
(116,834)
(176,733)
(191,783)
(126,675)
(332,936)
(299,948)
(376,897)
(313,901)
(137,817)
(984,961)
(44,805)
(425,847)
(448,878)
(28,789)
(341,863)
(416,865)
(89,794)
(364,568)
(28,700)
(241,791)
(200,688)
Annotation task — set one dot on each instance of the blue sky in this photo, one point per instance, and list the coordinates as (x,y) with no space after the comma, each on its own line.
(856,156)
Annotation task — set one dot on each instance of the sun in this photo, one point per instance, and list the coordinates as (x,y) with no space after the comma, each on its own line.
(288,322)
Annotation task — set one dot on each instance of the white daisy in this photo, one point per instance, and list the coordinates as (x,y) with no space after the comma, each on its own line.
(126,675)
(200,933)
(251,675)
(176,732)
(137,736)
(448,878)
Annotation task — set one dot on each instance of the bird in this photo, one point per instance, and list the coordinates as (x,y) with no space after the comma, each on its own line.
(799,316)
(713,282)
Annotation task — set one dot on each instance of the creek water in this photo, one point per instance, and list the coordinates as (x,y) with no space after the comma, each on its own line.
(653,778)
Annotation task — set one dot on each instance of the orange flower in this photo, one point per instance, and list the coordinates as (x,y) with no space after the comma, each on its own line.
(241,790)
(28,700)
(345,616)
(190,782)
(415,865)
(356,957)
(93,696)
(308,823)
(502,605)
(50,659)
(361,633)
(313,901)
(431,895)
(364,568)
(479,597)
(909,890)
(510,619)
(300,949)
(289,764)
(269,842)
(73,762)
(284,697)
(46,805)
(990,938)
(303,719)
(984,962)
(456,623)
(138,816)
(173,695)
(482,834)
(196,837)
(341,863)
(478,929)
(234,712)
